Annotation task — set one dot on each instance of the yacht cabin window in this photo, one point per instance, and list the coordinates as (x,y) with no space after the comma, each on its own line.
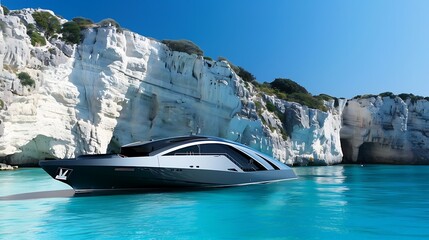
(241,159)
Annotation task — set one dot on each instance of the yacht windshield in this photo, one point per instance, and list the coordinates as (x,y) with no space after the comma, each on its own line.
(147,148)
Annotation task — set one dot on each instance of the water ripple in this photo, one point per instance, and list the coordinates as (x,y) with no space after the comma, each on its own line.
(346,202)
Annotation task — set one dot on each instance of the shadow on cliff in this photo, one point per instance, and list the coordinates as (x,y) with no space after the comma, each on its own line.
(134,121)
(346,147)
(31,153)
(377,153)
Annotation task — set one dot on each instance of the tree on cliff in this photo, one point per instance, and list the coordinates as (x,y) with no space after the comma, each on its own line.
(287,86)
(47,22)
(183,46)
(71,32)
(83,22)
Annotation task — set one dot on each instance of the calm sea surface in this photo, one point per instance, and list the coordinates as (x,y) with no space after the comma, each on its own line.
(334,202)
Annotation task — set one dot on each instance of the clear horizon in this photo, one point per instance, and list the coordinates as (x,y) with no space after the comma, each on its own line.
(340,48)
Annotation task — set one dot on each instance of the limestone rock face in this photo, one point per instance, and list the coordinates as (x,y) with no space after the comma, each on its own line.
(386,130)
(117,87)
(312,134)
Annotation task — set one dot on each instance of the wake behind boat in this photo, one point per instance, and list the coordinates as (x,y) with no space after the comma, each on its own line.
(177,162)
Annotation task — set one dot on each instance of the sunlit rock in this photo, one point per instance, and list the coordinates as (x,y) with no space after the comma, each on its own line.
(117,87)
(386,130)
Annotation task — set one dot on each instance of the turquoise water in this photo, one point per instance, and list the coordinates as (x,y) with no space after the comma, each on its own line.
(343,202)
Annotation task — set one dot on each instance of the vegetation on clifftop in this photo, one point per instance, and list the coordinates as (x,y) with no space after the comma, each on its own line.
(241,72)
(48,22)
(282,88)
(404,96)
(291,91)
(49,25)
(244,74)
(183,46)
(110,22)
(6,10)
(287,86)
(83,23)
(71,32)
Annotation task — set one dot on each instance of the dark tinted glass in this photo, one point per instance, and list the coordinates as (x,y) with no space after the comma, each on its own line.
(269,162)
(136,151)
(241,159)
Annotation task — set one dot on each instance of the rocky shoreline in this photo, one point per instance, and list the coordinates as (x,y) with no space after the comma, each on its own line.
(4,167)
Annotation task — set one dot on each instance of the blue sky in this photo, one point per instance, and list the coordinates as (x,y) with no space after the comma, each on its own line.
(342,48)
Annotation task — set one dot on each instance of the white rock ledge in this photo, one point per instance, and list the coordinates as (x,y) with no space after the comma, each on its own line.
(4,167)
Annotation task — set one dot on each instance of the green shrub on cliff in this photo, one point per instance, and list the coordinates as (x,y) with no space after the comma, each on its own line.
(266,88)
(83,23)
(365,96)
(404,96)
(1,104)
(387,94)
(287,86)
(49,23)
(413,98)
(71,32)
(233,67)
(183,46)
(220,58)
(271,107)
(6,10)
(240,71)
(110,22)
(325,97)
(36,38)
(291,91)
(26,80)
(258,107)
(306,99)
(245,75)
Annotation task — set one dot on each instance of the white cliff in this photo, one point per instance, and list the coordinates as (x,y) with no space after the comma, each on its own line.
(118,87)
(312,134)
(386,130)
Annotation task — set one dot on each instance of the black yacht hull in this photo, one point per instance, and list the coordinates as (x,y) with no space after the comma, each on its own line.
(177,162)
(85,178)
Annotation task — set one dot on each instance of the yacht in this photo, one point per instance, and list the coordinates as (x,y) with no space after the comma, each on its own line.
(177,162)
